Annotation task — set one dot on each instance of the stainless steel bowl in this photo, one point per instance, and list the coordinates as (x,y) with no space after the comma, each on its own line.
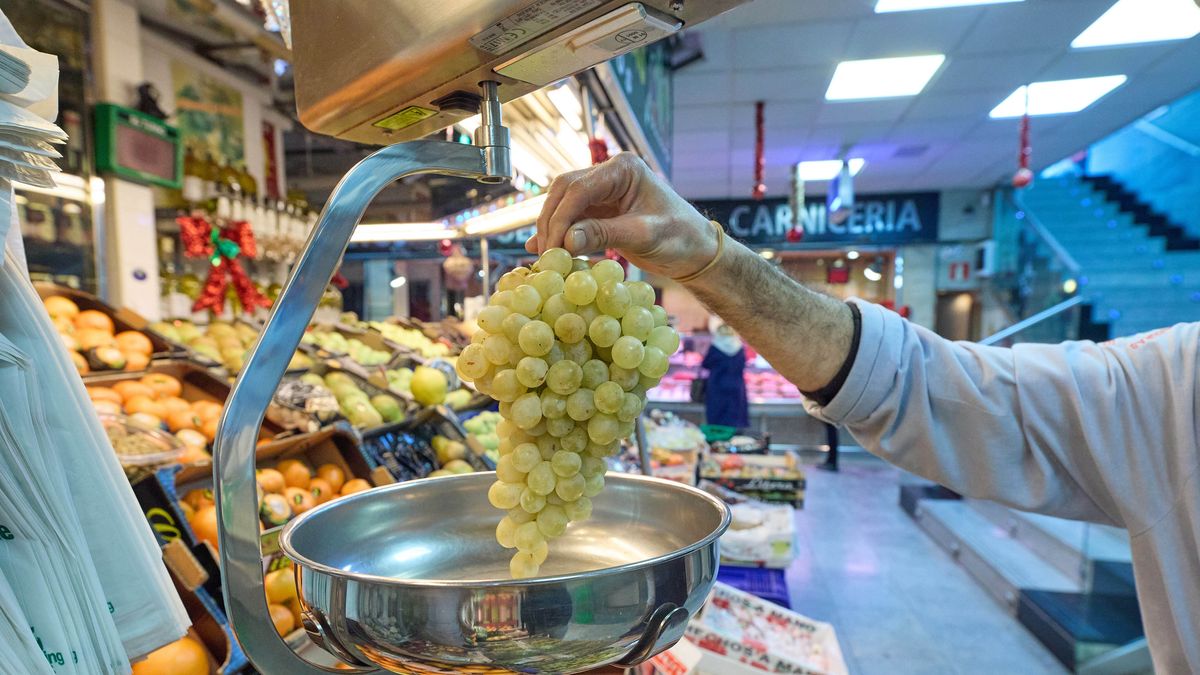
(410,578)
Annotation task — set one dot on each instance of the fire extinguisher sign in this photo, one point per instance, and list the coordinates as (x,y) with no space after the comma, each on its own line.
(956,268)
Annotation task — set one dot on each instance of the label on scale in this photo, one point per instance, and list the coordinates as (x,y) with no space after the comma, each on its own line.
(526,24)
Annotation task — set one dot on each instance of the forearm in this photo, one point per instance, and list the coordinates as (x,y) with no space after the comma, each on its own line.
(805,335)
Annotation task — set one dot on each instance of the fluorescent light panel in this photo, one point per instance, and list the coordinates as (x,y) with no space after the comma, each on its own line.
(882,78)
(1058,96)
(1138,21)
(909,5)
(827,169)
(381,232)
(518,215)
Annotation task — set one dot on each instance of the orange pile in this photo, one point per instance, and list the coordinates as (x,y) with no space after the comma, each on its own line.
(154,400)
(91,339)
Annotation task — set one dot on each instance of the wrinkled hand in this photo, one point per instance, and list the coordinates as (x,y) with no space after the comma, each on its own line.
(621,204)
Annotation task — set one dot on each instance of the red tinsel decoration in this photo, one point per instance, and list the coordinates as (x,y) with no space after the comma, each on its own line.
(222,246)
(760,161)
(1024,176)
(599,149)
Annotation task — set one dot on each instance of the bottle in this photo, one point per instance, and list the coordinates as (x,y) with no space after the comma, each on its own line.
(193,182)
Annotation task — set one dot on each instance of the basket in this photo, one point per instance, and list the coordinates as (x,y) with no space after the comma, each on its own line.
(766,583)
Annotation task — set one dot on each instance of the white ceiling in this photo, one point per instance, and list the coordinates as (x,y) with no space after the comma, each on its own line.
(784,52)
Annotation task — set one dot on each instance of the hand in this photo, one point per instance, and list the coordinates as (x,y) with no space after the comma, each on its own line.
(621,204)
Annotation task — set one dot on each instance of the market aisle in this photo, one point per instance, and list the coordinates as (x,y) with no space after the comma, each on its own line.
(898,601)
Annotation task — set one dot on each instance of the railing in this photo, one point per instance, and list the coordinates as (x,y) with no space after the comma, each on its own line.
(1051,313)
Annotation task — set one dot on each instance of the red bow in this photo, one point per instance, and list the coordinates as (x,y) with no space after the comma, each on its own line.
(222,246)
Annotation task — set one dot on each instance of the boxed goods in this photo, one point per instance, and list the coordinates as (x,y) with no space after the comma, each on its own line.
(760,535)
(326,392)
(220,343)
(769,478)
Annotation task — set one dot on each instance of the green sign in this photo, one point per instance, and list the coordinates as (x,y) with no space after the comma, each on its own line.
(644,77)
(137,147)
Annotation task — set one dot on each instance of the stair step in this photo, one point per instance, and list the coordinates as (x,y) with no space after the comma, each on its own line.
(1059,543)
(1077,627)
(1001,564)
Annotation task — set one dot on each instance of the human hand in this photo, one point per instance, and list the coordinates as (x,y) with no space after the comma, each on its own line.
(621,204)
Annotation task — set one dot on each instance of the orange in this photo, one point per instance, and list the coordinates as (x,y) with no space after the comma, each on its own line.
(280,585)
(209,429)
(135,361)
(164,384)
(192,438)
(145,404)
(355,485)
(175,404)
(321,490)
(133,341)
(59,307)
(296,474)
(63,325)
(193,454)
(107,407)
(90,338)
(299,499)
(271,480)
(90,318)
(207,410)
(131,388)
(332,474)
(199,498)
(185,656)
(81,364)
(146,419)
(204,524)
(282,618)
(104,394)
(182,419)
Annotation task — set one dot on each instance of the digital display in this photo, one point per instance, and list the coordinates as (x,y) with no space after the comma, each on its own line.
(144,152)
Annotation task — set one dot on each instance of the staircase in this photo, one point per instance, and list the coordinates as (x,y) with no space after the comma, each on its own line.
(1069,583)
(1138,271)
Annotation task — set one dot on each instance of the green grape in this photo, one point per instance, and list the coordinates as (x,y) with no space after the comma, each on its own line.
(591,466)
(654,364)
(478,337)
(578,510)
(581,405)
(472,363)
(641,293)
(541,478)
(604,331)
(531,371)
(539,430)
(525,456)
(604,354)
(523,565)
(521,271)
(660,315)
(564,463)
(588,313)
(595,373)
(580,288)
(613,299)
(507,471)
(555,259)
(505,408)
(512,325)
(626,377)
(497,350)
(484,384)
(526,300)
(644,385)
(579,352)
(606,271)
(554,405)
(608,397)
(546,283)
(505,446)
(570,328)
(554,499)
(555,307)
(491,318)
(536,338)
(552,521)
(576,439)
(504,429)
(530,501)
(539,554)
(506,388)
(625,429)
(520,516)
(628,352)
(555,355)
(502,299)
(527,536)
(506,531)
(527,410)
(602,428)
(594,485)
(631,407)
(564,377)
(579,265)
(602,450)
(560,426)
(505,495)
(637,322)
(517,435)
(547,446)
(571,488)
(509,281)
(663,338)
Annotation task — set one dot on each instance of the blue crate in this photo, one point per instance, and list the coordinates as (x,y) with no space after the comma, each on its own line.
(766,583)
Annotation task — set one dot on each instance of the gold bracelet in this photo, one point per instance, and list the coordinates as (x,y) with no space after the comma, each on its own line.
(713,263)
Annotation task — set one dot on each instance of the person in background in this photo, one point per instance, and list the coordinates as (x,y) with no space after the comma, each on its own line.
(725,395)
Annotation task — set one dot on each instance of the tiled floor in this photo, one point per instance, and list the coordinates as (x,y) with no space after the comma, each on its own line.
(899,603)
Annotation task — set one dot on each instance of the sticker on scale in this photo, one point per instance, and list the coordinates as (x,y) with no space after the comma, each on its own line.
(405,118)
(524,25)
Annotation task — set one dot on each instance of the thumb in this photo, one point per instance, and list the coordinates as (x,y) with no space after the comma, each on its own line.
(592,235)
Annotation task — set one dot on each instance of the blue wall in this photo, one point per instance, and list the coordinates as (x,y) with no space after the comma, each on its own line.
(1158,157)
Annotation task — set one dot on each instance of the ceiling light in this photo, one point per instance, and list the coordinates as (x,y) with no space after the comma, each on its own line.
(767,254)
(827,169)
(383,232)
(398,282)
(909,5)
(1136,21)
(520,214)
(852,255)
(882,78)
(1058,96)
(567,102)
(872,274)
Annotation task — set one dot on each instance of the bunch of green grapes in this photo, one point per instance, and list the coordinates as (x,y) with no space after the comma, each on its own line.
(569,352)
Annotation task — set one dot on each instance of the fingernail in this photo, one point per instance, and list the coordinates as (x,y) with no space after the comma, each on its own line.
(578,239)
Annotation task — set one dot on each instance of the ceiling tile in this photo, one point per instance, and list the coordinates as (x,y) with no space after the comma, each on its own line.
(1016,27)
(844,134)
(1115,61)
(700,88)
(909,33)
(792,44)
(716,140)
(701,117)
(786,115)
(716,45)
(781,84)
(953,106)
(1000,71)
(910,131)
(851,112)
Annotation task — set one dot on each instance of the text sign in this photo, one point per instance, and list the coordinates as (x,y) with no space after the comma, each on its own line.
(901,218)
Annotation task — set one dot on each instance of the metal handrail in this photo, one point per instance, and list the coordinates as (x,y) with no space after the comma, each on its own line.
(1032,320)
(1031,221)
(1125,660)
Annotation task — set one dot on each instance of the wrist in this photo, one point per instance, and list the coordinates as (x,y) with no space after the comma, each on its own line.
(705,253)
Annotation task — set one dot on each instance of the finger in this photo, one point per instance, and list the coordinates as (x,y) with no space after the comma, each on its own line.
(606,184)
(595,235)
(558,188)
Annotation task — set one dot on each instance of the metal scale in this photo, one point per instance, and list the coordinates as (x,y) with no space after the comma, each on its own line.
(408,578)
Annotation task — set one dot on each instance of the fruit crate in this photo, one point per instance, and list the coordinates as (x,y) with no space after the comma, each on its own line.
(769,478)
(766,583)
(371,389)
(405,452)
(123,319)
(398,356)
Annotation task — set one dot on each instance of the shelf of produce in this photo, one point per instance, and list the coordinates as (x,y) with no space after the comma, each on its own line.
(329,378)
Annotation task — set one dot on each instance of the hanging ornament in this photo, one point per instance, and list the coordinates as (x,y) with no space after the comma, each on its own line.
(458,269)
(445,247)
(1024,176)
(760,162)
(599,149)
(796,201)
(222,246)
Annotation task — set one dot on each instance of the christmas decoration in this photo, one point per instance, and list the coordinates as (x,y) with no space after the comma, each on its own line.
(1024,176)
(760,162)
(222,246)
(599,149)
(458,269)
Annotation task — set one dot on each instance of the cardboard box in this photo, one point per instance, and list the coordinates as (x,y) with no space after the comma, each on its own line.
(768,478)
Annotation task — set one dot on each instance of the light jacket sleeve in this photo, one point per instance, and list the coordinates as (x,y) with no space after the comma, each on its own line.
(1101,432)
